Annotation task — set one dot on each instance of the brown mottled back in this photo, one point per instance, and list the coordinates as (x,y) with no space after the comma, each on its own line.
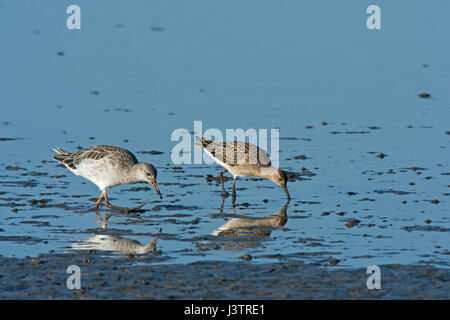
(72,160)
(236,152)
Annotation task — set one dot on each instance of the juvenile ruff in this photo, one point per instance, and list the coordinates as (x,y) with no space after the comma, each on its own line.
(107,167)
(243,159)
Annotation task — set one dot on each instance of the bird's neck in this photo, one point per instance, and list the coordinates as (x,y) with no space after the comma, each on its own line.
(133,175)
(268,173)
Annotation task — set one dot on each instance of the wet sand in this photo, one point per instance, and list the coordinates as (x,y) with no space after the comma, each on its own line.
(132,278)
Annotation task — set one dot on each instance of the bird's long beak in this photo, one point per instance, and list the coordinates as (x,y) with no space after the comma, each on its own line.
(287,192)
(157,189)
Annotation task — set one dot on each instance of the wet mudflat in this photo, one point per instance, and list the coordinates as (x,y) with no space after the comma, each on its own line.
(358,210)
(367,157)
(318,245)
(133,277)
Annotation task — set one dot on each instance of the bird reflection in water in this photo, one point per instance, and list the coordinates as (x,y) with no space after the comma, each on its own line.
(117,244)
(253,227)
(105,222)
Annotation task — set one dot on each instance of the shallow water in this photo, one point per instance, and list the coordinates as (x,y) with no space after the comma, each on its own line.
(341,96)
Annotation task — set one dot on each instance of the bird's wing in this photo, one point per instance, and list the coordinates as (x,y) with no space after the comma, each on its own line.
(95,153)
(237,152)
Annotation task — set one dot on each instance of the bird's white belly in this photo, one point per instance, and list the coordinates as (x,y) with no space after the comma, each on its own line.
(99,172)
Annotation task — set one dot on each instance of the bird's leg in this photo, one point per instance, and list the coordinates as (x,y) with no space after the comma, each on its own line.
(221,205)
(99,199)
(233,191)
(106,201)
(224,193)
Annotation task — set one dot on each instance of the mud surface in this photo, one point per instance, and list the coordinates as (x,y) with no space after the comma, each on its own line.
(134,278)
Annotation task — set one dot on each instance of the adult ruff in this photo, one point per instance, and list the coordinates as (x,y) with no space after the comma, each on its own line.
(107,167)
(243,159)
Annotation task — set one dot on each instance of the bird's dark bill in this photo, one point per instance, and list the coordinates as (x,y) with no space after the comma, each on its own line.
(157,189)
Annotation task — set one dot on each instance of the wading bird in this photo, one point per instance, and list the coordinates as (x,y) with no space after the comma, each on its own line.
(107,167)
(242,159)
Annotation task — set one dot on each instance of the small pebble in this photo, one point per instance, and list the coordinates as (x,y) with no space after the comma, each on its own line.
(352,222)
(246,257)
(424,95)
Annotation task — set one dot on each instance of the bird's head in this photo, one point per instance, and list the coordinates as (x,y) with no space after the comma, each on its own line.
(147,172)
(280,178)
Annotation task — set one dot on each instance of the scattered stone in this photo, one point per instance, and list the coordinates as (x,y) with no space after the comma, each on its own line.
(352,222)
(333,261)
(246,257)
(424,95)
(397,192)
(36,262)
(153,152)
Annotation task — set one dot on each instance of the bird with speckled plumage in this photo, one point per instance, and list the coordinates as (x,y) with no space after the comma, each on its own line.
(243,159)
(107,167)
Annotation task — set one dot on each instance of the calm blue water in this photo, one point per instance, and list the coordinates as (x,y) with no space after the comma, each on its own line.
(158,66)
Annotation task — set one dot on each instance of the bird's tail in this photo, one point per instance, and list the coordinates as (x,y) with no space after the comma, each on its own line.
(61,151)
(202,142)
(61,155)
